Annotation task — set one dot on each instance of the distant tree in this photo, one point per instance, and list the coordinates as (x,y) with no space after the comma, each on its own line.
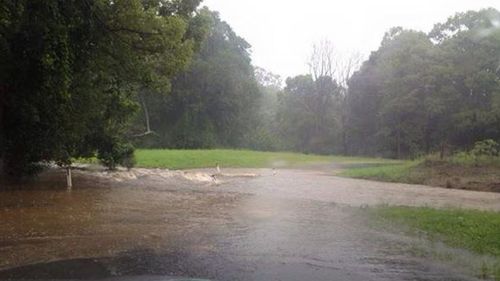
(307,116)
(363,100)
(421,92)
(392,105)
(214,102)
(309,113)
(346,66)
(264,134)
(322,60)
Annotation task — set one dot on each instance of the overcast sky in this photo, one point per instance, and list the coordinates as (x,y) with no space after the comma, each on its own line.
(282,32)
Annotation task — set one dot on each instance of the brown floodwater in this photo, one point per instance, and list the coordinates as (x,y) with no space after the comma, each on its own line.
(242,225)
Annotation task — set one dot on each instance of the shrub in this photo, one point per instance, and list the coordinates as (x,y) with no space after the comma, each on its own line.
(483,153)
(118,154)
(488,148)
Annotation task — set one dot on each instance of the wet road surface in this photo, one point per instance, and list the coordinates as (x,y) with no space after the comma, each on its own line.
(296,225)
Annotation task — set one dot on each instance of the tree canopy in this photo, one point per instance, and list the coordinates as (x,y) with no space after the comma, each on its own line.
(69,72)
(421,91)
(88,77)
(212,103)
(418,93)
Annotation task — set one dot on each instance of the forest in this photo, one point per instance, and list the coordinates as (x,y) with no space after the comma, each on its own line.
(100,78)
(417,94)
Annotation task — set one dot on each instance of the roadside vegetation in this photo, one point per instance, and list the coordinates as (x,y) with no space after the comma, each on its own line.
(477,169)
(476,231)
(393,172)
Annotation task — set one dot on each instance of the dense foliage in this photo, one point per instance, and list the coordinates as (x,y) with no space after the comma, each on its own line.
(422,92)
(214,102)
(70,70)
(417,94)
(307,114)
(74,73)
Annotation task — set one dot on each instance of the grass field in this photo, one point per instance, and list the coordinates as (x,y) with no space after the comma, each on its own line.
(453,173)
(189,159)
(390,172)
(477,231)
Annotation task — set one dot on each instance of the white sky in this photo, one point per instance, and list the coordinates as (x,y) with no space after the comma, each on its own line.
(282,32)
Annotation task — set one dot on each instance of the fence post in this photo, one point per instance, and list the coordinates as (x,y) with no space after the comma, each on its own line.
(69,180)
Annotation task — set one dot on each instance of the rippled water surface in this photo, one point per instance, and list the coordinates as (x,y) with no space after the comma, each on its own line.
(245,225)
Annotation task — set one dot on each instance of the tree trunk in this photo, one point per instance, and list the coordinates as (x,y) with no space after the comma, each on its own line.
(146,117)
(69,179)
(146,114)
(3,96)
(343,125)
(399,143)
(442,152)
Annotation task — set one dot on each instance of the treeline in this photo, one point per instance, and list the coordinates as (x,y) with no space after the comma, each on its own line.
(222,100)
(91,78)
(418,93)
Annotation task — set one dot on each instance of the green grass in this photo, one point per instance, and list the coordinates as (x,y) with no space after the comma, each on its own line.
(460,171)
(469,160)
(402,171)
(188,159)
(477,231)
(204,158)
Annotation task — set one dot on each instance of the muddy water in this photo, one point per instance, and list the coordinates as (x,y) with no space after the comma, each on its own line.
(245,225)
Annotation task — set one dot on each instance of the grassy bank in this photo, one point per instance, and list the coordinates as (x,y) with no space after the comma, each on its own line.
(392,172)
(188,159)
(459,171)
(476,231)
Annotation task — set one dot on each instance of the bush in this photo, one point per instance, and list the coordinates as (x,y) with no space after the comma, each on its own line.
(484,153)
(118,154)
(488,148)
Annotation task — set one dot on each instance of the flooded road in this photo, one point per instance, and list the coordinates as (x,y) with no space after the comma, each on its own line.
(244,225)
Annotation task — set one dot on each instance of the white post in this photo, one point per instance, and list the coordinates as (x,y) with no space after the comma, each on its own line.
(69,180)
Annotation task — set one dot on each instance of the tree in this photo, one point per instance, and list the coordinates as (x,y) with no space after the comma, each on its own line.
(346,67)
(214,102)
(71,69)
(264,134)
(469,54)
(389,95)
(322,60)
(307,117)
(419,93)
